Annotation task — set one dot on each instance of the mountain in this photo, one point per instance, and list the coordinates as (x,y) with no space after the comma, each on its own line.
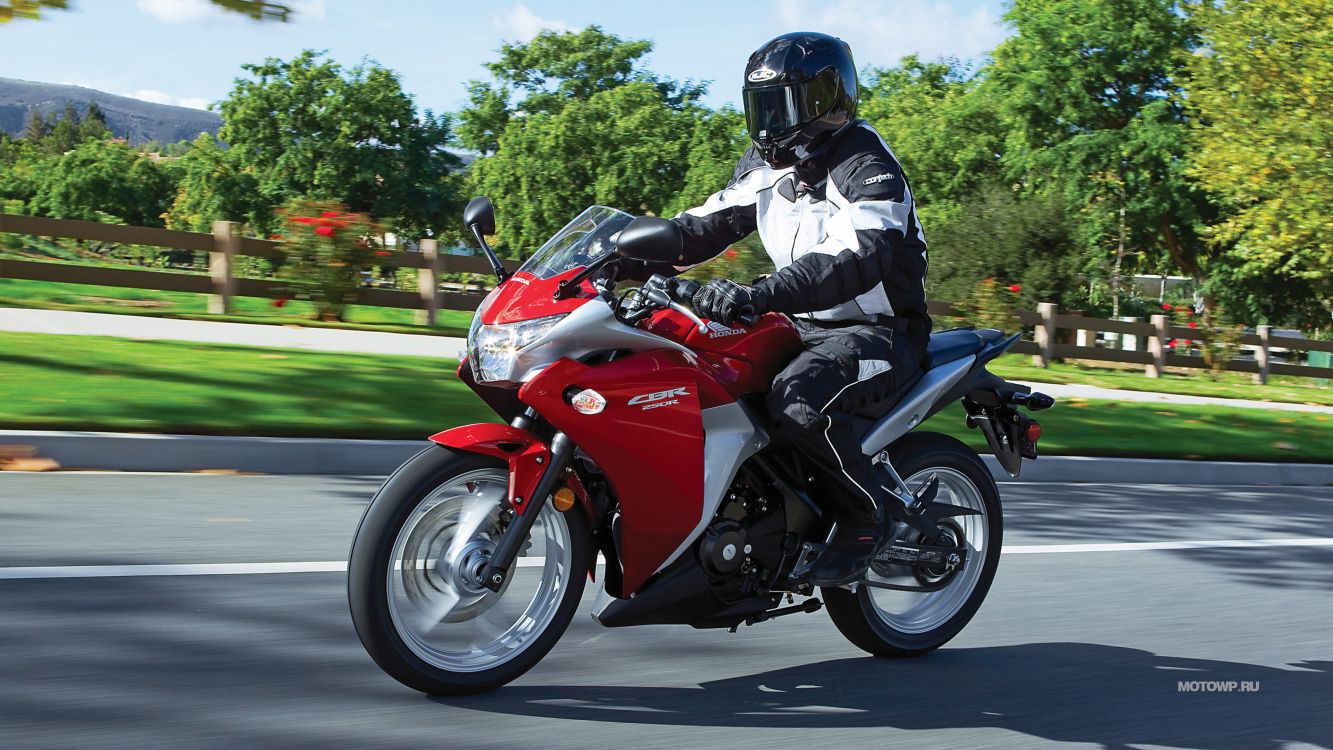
(137,120)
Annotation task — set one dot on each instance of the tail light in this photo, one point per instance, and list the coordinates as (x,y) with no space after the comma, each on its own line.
(1034,432)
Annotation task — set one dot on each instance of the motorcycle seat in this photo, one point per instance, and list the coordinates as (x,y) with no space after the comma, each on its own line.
(954,344)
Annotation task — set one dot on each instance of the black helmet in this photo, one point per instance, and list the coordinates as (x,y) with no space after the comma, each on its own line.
(800,89)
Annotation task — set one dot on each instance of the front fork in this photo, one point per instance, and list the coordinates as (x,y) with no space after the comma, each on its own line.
(511,542)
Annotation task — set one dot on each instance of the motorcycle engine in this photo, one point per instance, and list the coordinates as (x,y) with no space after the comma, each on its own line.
(743,545)
(724,547)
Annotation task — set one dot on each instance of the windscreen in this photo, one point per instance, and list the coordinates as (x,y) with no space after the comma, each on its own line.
(586,238)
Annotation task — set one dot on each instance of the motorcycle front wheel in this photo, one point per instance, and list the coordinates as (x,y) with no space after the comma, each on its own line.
(893,623)
(411,577)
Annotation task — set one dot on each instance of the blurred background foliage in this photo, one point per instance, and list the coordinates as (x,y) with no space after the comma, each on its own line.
(1101,140)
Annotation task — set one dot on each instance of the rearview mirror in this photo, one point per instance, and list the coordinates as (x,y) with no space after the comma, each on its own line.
(481,213)
(651,238)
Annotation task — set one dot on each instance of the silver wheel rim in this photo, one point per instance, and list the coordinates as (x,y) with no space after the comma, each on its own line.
(441,613)
(913,612)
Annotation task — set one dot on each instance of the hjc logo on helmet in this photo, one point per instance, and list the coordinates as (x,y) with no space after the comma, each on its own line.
(762,74)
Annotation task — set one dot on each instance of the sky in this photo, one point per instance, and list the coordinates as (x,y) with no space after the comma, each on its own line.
(186,52)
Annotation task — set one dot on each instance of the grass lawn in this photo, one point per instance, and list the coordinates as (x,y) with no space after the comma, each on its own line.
(1186,382)
(48,295)
(93,383)
(82,382)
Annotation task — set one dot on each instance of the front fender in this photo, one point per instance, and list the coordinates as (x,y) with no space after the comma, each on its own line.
(527,456)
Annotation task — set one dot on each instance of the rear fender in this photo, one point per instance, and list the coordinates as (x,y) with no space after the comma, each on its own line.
(527,456)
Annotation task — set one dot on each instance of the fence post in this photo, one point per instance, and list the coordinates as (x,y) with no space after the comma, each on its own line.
(428,282)
(1261,354)
(1044,334)
(226,245)
(1157,347)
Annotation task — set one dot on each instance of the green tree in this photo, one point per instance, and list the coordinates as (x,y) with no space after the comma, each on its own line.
(1089,96)
(214,187)
(573,119)
(945,131)
(541,75)
(307,127)
(1262,90)
(101,177)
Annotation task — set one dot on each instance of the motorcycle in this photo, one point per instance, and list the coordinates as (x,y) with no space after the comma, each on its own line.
(634,431)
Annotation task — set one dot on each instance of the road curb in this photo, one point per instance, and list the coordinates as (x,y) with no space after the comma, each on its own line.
(141,452)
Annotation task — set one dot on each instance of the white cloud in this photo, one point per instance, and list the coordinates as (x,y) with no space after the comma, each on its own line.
(880,32)
(162,97)
(520,24)
(154,96)
(192,11)
(179,11)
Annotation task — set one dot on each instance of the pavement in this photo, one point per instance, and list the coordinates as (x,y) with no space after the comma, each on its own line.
(237,334)
(440,347)
(1120,617)
(267,455)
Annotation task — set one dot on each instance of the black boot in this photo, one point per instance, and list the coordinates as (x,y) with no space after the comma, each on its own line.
(849,554)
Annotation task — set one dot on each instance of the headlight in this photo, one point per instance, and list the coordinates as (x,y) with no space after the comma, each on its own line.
(492,348)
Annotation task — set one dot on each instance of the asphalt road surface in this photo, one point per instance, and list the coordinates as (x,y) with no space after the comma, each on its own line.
(1077,645)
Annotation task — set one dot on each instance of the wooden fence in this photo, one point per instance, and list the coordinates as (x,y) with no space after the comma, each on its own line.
(227,243)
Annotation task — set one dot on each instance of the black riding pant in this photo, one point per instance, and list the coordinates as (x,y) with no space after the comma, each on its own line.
(845,371)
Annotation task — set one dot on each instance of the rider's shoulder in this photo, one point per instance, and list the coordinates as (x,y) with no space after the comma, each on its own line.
(863,167)
(750,161)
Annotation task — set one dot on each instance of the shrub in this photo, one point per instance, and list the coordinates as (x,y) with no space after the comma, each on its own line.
(328,252)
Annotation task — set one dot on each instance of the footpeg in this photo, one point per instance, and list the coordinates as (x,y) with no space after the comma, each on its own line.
(805,560)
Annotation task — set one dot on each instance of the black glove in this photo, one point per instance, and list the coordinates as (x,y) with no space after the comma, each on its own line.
(723,300)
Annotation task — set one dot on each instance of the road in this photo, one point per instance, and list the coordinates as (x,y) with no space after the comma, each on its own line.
(1073,648)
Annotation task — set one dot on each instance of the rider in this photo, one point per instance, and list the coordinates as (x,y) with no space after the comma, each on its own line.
(835,213)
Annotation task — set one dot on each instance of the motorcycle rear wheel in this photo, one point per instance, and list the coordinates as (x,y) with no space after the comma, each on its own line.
(899,624)
(411,577)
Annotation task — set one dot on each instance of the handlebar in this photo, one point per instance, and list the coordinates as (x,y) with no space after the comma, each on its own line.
(678,294)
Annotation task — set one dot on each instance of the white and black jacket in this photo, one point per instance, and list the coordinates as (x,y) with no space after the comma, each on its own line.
(841,229)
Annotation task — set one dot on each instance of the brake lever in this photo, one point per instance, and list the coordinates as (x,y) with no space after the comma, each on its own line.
(661,298)
(687,312)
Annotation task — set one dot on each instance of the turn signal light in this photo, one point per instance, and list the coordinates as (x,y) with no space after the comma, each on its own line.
(1034,432)
(588,401)
(563,499)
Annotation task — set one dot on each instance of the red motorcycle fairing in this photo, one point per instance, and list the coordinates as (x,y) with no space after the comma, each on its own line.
(745,360)
(648,440)
(523,296)
(527,454)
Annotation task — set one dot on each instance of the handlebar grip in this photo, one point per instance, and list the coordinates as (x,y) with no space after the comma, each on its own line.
(748,319)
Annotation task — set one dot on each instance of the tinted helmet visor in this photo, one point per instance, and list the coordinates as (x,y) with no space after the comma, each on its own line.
(772,111)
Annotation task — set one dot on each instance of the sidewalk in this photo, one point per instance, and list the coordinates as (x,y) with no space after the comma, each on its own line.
(441,347)
(238,334)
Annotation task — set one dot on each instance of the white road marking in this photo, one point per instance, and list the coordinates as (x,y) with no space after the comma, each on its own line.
(1037,549)
(189,569)
(336,566)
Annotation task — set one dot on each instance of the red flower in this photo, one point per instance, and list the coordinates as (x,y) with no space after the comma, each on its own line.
(383,253)
(1167,307)
(301,220)
(1192,324)
(279,302)
(1015,288)
(1171,344)
(275,237)
(324,231)
(733,254)
(329,214)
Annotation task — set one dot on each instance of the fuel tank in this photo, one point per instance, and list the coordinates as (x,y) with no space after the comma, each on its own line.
(744,360)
